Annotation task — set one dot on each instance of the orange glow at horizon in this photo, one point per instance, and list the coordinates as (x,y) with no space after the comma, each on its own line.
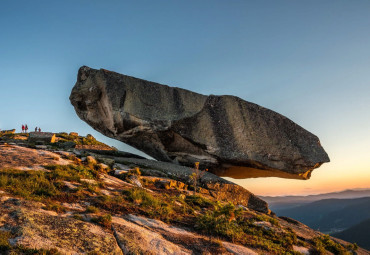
(325,179)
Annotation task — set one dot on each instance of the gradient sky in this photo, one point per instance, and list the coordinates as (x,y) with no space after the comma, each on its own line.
(308,60)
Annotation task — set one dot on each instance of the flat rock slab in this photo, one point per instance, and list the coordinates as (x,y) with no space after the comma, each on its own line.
(21,158)
(182,236)
(176,125)
(35,228)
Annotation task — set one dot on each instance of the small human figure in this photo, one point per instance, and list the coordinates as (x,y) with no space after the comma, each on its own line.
(39,129)
(22,128)
(35,129)
(26,128)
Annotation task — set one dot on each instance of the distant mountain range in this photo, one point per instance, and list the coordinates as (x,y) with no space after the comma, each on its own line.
(359,234)
(284,202)
(330,215)
(344,214)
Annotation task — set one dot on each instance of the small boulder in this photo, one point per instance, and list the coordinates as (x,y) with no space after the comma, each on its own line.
(133,179)
(68,145)
(41,137)
(91,160)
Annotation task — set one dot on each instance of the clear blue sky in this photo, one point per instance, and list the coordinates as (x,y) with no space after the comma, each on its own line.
(308,60)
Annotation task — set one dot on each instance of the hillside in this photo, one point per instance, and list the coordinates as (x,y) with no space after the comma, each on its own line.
(330,215)
(359,234)
(69,199)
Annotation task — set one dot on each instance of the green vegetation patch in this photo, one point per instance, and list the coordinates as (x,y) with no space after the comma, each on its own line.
(105,220)
(230,223)
(151,205)
(79,140)
(40,185)
(325,243)
(195,200)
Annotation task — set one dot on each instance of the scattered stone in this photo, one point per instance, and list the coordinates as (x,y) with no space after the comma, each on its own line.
(120,172)
(117,166)
(70,186)
(301,249)
(135,180)
(73,134)
(91,160)
(68,145)
(89,181)
(41,147)
(243,207)
(162,183)
(74,206)
(103,166)
(106,161)
(77,152)
(64,153)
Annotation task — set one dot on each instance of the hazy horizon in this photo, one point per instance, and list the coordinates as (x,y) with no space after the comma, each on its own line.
(307,60)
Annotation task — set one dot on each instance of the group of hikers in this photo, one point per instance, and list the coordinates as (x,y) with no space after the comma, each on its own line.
(25,129)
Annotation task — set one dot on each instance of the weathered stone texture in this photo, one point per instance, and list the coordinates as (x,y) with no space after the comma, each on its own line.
(41,137)
(177,125)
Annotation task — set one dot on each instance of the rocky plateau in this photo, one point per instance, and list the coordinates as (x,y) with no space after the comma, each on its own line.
(79,196)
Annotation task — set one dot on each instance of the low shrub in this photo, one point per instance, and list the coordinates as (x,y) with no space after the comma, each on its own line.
(92,209)
(195,200)
(152,206)
(324,242)
(51,206)
(105,221)
(221,222)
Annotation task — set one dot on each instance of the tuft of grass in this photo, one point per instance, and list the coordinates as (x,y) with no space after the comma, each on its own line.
(195,200)
(72,172)
(221,222)
(150,205)
(114,204)
(105,221)
(266,218)
(51,206)
(92,209)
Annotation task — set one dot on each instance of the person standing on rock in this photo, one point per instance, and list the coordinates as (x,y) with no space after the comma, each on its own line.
(39,129)
(22,128)
(26,128)
(35,129)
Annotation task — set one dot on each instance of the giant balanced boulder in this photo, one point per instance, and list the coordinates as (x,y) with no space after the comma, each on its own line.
(229,136)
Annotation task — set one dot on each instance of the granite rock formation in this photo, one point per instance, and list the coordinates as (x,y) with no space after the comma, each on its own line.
(226,134)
